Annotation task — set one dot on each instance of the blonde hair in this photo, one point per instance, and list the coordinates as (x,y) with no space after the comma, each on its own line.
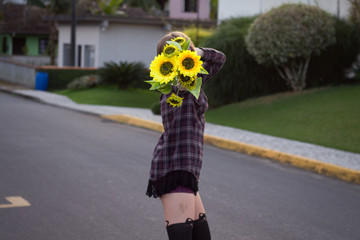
(169,37)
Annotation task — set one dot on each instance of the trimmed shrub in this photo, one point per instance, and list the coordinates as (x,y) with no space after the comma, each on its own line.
(286,37)
(124,74)
(241,77)
(88,81)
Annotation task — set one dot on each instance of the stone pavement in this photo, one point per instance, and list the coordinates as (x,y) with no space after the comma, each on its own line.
(345,161)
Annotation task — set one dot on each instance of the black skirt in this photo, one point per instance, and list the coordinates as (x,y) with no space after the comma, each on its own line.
(169,182)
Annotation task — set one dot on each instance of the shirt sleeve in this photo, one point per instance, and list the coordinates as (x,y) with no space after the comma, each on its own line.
(213,60)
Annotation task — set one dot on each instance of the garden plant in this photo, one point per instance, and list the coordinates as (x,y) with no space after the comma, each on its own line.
(123,74)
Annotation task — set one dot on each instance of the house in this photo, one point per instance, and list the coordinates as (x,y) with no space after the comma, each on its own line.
(24,36)
(129,36)
(238,8)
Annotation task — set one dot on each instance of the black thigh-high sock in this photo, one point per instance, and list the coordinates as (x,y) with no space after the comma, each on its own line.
(201,229)
(180,231)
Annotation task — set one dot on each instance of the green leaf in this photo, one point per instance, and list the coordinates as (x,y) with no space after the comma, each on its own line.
(196,91)
(155,86)
(150,81)
(203,71)
(165,89)
(176,44)
(187,44)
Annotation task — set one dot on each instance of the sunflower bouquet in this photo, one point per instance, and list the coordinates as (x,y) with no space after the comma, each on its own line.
(176,66)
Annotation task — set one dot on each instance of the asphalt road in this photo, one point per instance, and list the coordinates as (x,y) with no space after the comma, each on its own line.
(86,177)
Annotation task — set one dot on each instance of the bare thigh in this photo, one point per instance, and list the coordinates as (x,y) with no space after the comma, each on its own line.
(180,206)
(199,207)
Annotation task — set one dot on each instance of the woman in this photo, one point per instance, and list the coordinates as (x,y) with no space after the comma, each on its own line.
(177,158)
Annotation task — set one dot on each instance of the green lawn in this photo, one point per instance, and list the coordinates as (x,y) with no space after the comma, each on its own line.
(327,116)
(112,96)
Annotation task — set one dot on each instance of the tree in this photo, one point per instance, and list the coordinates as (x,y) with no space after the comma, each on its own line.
(109,7)
(286,37)
(53,7)
(146,5)
(354,11)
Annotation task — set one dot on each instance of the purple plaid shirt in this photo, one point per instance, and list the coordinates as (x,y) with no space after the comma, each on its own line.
(180,147)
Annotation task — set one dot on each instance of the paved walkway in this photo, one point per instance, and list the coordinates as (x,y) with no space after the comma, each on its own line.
(327,155)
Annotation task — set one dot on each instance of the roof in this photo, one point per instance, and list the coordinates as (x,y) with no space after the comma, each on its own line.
(135,16)
(23,19)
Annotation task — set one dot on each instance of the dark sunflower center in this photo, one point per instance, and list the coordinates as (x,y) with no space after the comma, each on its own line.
(166,68)
(169,50)
(188,63)
(185,79)
(173,101)
(180,41)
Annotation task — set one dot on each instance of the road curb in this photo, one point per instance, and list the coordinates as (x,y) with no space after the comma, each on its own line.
(327,169)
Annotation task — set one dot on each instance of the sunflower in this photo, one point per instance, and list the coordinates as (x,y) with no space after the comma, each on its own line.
(179,40)
(174,100)
(187,82)
(163,69)
(189,63)
(170,51)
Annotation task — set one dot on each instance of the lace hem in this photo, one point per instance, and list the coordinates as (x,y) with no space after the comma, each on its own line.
(170,182)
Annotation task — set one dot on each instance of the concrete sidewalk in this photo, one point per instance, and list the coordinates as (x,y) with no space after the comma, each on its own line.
(335,163)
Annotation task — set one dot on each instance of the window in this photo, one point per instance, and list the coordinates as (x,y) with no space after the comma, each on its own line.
(79,54)
(89,58)
(190,5)
(19,46)
(4,45)
(43,44)
(66,55)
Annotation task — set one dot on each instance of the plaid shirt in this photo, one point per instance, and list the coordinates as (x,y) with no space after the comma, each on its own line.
(180,147)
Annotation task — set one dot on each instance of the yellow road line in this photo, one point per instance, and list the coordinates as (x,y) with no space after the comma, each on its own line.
(15,201)
(326,169)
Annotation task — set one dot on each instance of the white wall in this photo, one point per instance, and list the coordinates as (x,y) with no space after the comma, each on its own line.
(123,42)
(118,42)
(85,35)
(237,8)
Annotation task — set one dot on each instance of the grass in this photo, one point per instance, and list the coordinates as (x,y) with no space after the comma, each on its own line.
(328,116)
(112,96)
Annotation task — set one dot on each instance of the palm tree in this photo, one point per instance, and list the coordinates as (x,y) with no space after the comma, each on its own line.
(53,7)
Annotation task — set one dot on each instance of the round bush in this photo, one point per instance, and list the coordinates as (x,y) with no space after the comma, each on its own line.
(289,32)
(286,37)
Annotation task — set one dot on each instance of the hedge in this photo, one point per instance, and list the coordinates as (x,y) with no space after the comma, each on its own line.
(60,77)
(328,68)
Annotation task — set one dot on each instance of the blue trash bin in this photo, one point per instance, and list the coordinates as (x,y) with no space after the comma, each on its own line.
(42,81)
